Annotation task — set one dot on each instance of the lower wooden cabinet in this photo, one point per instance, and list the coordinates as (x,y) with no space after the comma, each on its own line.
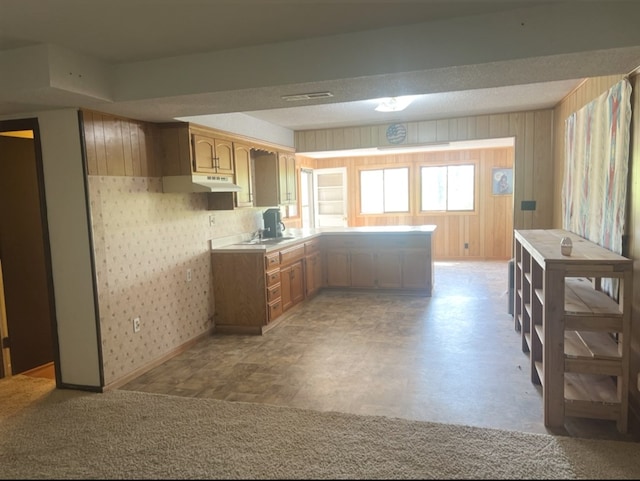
(252,289)
(292,280)
(240,286)
(383,262)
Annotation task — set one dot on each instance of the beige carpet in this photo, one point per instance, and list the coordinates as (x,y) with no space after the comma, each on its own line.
(129,435)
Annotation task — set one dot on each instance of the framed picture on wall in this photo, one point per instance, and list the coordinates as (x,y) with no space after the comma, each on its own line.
(501,181)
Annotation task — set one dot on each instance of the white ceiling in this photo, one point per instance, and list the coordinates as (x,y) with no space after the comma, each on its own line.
(228,63)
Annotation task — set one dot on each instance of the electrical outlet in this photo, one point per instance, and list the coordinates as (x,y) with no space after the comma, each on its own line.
(188,275)
(136,324)
(212,220)
(466,245)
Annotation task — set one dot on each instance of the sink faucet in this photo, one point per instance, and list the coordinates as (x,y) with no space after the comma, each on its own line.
(257,234)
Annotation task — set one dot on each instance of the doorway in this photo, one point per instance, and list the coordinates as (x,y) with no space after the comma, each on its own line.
(28,313)
(330,197)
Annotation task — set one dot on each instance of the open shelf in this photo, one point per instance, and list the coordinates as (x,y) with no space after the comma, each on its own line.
(576,335)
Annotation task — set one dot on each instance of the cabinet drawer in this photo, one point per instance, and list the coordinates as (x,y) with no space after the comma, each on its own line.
(273,293)
(273,278)
(275,310)
(271,260)
(291,254)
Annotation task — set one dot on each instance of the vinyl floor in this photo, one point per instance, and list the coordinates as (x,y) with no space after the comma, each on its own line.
(454,357)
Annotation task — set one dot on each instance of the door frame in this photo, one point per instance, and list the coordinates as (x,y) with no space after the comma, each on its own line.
(307,178)
(31,124)
(345,194)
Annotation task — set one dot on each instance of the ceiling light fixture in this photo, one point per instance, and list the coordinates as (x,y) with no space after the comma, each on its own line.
(394,104)
(309,96)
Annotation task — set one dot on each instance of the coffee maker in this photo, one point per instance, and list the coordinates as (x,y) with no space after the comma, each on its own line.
(273,225)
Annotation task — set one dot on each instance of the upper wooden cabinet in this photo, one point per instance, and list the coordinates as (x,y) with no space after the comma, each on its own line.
(187,149)
(275,179)
(212,155)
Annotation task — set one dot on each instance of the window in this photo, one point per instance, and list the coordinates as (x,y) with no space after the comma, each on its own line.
(384,190)
(447,188)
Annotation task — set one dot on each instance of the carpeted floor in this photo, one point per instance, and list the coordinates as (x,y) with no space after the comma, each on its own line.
(62,434)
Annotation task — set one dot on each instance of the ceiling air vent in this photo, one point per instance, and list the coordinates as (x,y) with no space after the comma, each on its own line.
(310,96)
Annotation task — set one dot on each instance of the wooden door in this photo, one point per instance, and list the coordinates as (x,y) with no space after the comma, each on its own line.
(204,152)
(416,269)
(337,265)
(362,265)
(242,164)
(282,179)
(297,283)
(389,269)
(24,251)
(224,156)
(292,184)
(285,281)
(313,273)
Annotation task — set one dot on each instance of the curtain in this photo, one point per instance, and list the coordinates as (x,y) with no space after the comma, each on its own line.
(594,193)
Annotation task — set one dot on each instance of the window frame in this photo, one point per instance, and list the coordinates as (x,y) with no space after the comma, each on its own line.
(384,167)
(476,175)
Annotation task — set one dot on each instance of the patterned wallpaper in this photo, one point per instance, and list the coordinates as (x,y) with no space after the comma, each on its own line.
(144,242)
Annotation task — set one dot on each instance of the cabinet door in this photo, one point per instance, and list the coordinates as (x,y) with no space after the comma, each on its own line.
(242,161)
(287,178)
(212,155)
(416,269)
(337,264)
(389,269)
(297,283)
(292,184)
(285,281)
(292,283)
(362,268)
(224,156)
(204,154)
(313,273)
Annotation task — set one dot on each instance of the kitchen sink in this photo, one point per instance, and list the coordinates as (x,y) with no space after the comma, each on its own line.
(268,240)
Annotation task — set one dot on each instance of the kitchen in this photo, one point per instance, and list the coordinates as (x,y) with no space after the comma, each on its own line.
(142,242)
(140,228)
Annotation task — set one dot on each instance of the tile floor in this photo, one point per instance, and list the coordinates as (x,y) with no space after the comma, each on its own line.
(453,358)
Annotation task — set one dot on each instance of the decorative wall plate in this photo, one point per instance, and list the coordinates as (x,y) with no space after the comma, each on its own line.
(396,133)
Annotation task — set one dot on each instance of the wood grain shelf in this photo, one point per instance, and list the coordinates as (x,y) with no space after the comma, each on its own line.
(577,336)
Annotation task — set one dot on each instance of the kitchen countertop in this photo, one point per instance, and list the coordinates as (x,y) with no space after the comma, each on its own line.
(234,243)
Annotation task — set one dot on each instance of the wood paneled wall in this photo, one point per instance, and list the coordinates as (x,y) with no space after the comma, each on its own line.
(634,252)
(488,231)
(533,162)
(119,146)
(585,93)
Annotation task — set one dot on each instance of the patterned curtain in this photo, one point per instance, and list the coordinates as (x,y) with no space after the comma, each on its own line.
(594,193)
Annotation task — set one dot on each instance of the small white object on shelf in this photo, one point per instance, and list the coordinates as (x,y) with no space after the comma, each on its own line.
(565,246)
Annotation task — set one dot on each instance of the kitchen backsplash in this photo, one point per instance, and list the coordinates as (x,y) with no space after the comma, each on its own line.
(144,243)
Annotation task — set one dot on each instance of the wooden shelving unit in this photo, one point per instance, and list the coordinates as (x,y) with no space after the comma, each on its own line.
(577,337)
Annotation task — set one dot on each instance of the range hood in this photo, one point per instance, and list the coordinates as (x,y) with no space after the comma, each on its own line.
(198,183)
